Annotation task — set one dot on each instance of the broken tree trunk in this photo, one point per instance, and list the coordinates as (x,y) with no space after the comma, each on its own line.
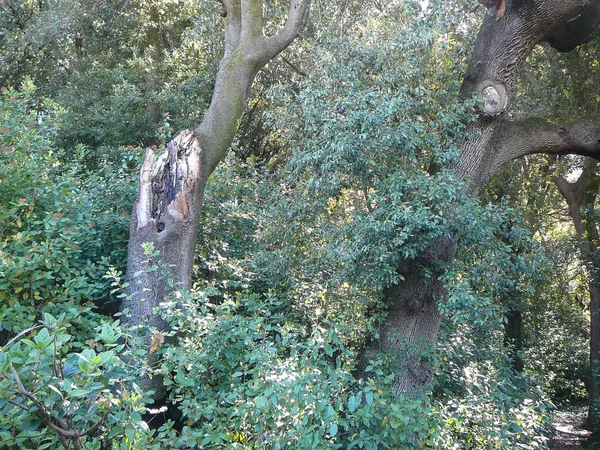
(166,215)
(165,218)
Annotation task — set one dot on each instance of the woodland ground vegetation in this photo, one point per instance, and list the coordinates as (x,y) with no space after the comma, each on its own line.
(341,174)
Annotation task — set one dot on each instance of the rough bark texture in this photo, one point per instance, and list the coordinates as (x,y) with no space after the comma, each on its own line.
(502,45)
(172,184)
(166,214)
(569,35)
(581,198)
(411,327)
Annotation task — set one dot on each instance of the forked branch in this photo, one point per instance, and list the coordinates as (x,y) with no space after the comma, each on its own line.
(298,11)
(247,50)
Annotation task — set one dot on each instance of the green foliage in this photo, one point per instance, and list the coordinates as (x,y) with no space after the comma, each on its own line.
(231,210)
(109,106)
(34,42)
(482,402)
(296,245)
(362,191)
(46,235)
(53,265)
(158,78)
(246,377)
(365,136)
(52,396)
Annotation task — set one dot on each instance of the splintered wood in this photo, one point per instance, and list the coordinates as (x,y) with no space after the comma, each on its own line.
(167,181)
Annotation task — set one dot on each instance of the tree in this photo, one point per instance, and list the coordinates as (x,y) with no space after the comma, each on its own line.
(501,48)
(580,196)
(166,214)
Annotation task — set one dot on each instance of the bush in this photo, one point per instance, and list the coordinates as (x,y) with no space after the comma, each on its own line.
(53,256)
(52,396)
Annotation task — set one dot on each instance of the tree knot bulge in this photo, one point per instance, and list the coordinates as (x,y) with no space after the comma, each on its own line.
(167,181)
(493,96)
(414,304)
(498,5)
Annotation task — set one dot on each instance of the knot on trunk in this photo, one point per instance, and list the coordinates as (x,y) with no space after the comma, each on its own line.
(414,304)
(494,97)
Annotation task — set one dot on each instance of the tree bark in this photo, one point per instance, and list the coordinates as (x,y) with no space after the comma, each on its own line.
(411,326)
(165,217)
(513,337)
(500,50)
(581,198)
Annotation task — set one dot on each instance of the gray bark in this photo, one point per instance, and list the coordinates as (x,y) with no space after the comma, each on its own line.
(411,327)
(167,211)
(577,31)
(167,215)
(502,45)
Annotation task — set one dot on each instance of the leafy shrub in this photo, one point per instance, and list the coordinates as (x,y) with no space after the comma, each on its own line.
(52,252)
(481,401)
(52,396)
(245,377)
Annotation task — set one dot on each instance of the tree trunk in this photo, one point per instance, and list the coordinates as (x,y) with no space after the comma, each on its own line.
(411,327)
(166,216)
(503,43)
(162,236)
(581,198)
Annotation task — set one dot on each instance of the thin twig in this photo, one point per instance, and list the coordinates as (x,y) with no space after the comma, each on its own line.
(297,69)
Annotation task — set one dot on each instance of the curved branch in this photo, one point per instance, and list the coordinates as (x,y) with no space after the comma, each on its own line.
(503,45)
(530,136)
(572,192)
(575,32)
(298,12)
(247,50)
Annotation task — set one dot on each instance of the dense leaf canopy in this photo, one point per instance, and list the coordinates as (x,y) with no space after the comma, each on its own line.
(341,175)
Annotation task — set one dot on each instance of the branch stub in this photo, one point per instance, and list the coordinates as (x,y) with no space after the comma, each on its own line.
(494,97)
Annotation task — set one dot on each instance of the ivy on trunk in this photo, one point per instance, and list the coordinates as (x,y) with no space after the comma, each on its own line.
(501,48)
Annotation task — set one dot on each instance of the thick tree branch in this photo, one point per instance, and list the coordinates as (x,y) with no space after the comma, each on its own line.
(252,20)
(232,12)
(503,141)
(571,34)
(572,193)
(516,139)
(247,50)
(503,45)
